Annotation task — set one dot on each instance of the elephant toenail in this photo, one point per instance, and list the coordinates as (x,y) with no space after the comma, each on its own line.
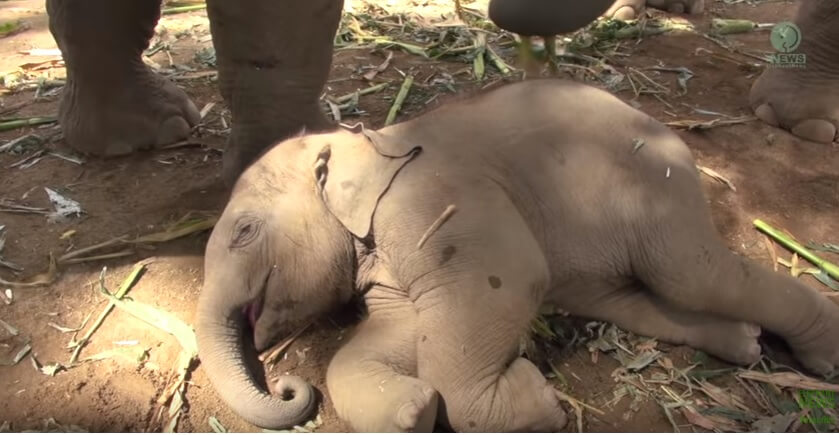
(752,330)
(767,114)
(816,130)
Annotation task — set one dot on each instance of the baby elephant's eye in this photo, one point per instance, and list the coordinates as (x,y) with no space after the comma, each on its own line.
(245,231)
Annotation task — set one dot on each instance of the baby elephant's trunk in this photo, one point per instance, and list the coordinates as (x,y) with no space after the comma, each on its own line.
(220,334)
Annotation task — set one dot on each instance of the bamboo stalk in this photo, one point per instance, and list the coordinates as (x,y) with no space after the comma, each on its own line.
(182,9)
(498,61)
(791,244)
(26,122)
(400,98)
(478,64)
(723,26)
(372,89)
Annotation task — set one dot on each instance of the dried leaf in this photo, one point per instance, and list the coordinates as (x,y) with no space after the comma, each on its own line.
(642,360)
(788,379)
(824,247)
(216,425)
(47,369)
(11,329)
(64,207)
(40,280)
(688,124)
(698,419)
(716,176)
(724,398)
(370,75)
(773,252)
(775,424)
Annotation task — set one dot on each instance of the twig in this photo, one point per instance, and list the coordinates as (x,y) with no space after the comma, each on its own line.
(79,252)
(271,354)
(447,213)
(400,98)
(688,124)
(717,176)
(40,280)
(120,254)
(123,289)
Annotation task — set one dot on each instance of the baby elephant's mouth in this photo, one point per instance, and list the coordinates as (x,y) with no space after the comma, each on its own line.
(253,310)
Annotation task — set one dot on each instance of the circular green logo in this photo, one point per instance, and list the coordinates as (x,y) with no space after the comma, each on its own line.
(785,37)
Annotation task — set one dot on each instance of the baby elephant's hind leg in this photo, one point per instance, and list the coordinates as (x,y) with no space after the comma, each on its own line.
(633,307)
(686,263)
(371,379)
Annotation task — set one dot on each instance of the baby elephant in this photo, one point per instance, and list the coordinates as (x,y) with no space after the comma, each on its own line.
(456,227)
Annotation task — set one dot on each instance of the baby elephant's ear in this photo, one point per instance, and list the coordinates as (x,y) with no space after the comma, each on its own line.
(354,172)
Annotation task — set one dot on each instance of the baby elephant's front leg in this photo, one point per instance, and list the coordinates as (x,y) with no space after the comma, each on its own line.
(480,392)
(372,378)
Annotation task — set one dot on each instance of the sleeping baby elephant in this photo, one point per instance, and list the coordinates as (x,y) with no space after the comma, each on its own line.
(456,227)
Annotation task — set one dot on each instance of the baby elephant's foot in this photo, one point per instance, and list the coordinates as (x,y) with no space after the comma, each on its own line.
(735,342)
(631,9)
(536,405)
(124,112)
(818,347)
(400,404)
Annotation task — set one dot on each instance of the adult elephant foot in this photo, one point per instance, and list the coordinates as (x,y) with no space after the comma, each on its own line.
(113,104)
(273,63)
(120,115)
(631,9)
(805,100)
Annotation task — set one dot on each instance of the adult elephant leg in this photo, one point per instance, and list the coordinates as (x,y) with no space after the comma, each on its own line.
(633,307)
(372,379)
(273,61)
(805,100)
(545,17)
(112,103)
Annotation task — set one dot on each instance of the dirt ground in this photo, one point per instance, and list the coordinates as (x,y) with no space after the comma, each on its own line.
(790,183)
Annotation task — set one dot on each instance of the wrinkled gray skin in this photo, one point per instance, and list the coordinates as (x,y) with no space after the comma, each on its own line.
(322,216)
(273,62)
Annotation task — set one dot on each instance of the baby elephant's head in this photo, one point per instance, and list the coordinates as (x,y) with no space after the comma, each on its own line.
(282,253)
